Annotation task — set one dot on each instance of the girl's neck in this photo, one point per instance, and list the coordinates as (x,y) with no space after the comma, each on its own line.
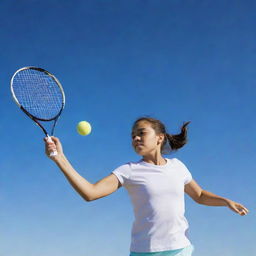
(156,160)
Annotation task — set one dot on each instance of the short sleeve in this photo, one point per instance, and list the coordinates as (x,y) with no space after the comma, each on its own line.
(187,176)
(123,173)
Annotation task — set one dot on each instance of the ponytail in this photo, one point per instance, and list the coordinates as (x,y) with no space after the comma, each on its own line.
(177,141)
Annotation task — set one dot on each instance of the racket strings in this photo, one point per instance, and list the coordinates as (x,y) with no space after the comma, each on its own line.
(38,93)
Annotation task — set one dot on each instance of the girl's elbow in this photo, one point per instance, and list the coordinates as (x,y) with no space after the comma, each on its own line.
(87,198)
(198,201)
(91,198)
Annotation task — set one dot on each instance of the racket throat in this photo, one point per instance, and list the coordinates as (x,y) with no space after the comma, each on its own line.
(35,120)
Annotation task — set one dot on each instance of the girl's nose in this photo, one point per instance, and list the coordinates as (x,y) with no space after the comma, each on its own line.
(136,138)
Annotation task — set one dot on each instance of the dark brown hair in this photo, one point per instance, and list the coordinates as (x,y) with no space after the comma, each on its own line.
(175,141)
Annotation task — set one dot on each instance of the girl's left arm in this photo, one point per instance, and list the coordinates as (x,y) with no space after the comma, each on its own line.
(207,198)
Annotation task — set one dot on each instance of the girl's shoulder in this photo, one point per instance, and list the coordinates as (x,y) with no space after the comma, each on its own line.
(173,160)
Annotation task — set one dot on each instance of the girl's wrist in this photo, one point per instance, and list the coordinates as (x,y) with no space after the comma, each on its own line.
(59,158)
(227,201)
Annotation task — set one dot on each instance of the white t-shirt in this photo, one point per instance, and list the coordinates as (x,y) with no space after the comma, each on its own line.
(157,195)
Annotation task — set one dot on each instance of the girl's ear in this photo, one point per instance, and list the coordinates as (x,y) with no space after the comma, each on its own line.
(161,138)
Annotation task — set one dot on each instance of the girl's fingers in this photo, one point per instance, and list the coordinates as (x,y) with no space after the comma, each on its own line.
(238,208)
(55,140)
(52,145)
(245,209)
(242,210)
(48,141)
(51,148)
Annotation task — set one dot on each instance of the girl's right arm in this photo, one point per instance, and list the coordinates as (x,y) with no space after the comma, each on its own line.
(88,191)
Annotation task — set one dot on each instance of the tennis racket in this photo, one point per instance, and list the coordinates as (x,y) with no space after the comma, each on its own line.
(39,95)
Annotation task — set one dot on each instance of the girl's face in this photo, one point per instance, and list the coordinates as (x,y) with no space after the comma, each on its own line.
(145,141)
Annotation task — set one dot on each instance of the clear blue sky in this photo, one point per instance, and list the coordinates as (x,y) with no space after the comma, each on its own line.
(119,60)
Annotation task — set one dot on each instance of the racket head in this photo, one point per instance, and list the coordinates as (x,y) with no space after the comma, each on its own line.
(38,93)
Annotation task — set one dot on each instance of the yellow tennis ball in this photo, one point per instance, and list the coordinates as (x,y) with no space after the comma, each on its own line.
(84,128)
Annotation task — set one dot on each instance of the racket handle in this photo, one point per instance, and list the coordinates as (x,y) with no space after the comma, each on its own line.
(53,153)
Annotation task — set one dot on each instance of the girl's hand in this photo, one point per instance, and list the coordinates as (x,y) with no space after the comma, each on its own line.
(53,145)
(238,208)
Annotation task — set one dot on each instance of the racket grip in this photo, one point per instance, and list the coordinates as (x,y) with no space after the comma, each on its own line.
(53,153)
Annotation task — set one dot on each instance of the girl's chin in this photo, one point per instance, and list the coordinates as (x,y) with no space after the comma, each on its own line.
(139,152)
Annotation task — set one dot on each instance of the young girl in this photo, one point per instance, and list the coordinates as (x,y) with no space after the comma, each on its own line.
(156,186)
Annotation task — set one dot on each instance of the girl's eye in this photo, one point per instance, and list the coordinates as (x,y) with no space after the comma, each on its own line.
(138,134)
(142,133)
